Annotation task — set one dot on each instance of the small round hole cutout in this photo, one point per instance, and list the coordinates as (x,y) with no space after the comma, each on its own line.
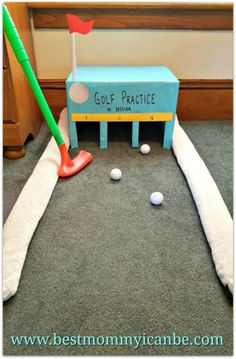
(79,93)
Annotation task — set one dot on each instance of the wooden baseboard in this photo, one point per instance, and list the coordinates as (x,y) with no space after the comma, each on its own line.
(199,99)
(205,100)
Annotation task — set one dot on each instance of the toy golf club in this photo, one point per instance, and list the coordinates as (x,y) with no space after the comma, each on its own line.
(67,167)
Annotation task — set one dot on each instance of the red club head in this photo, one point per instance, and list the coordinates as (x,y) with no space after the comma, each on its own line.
(69,167)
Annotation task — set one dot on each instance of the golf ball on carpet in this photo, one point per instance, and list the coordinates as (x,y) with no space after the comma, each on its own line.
(116,174)
(145,149)
(156,198)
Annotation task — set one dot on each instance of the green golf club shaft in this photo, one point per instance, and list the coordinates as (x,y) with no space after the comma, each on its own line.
(23,59)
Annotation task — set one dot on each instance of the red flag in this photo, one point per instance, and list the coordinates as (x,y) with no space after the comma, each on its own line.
(76,25)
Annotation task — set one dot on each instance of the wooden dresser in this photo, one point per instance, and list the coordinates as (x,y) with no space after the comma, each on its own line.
(21,115)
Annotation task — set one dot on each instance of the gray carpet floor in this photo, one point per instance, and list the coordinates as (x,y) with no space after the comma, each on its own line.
(104,261)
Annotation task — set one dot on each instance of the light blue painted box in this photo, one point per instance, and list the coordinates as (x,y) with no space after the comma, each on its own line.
(119,94)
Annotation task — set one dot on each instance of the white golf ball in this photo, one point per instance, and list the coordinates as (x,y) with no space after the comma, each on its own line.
(156,198)
(145,149)
(116,174)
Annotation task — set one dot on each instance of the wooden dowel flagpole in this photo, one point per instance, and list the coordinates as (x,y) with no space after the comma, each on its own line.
(76,25)
(73,55)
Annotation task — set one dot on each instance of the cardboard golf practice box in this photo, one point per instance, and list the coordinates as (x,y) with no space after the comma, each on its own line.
(122,94)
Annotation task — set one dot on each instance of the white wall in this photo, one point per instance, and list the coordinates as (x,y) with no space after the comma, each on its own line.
(189,54)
